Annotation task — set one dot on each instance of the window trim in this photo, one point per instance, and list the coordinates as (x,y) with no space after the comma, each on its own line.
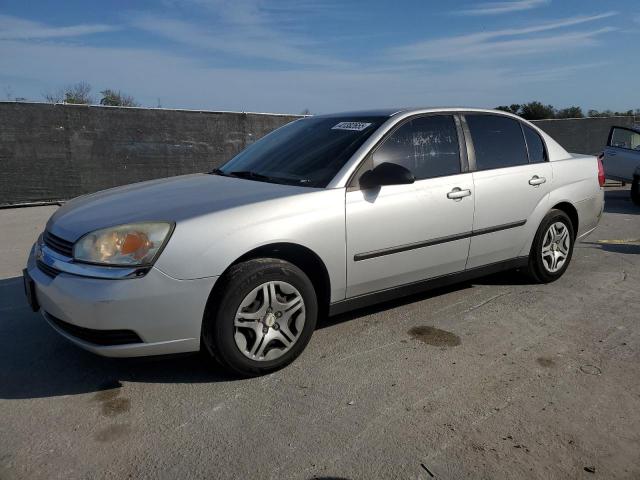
(471,145)
(544,145)
(366,163)
(610,137)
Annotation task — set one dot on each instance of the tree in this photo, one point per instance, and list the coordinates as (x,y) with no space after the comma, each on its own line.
(513,108)
(117,99)
(79,93)
(604,113)
(537,111)
(570,112)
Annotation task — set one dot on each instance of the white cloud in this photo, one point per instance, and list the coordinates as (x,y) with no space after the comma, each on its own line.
(248,28)
(556,73)
(183,82)
(243,40)
(506,42)
(311,79)
(497,8)
(14,28)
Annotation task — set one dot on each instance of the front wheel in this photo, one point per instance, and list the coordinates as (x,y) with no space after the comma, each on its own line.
(552,247)
(262,316)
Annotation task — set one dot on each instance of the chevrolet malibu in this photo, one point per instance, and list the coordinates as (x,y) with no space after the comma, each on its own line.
(326,214)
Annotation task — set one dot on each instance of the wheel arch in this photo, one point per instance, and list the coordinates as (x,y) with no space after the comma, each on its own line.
(571,212)
(302,257)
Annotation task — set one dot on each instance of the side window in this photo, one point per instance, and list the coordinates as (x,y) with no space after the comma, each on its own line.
(428,146)
(497,140)
(535,145)
(624,138)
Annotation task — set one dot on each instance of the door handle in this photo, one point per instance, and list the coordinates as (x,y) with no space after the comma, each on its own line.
(458,194)
(536,180)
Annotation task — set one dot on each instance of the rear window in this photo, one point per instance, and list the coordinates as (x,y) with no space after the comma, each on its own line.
(624,138)
(498,141)
(535,145)
(306,152)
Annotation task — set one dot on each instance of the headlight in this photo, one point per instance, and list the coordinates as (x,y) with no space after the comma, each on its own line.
(135,244)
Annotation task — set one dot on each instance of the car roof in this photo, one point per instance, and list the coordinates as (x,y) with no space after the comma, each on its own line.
(390,112)
(382,112)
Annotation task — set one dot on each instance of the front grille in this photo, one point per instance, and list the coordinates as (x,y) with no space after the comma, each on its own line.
(57,244)
(97,337)
(47,270)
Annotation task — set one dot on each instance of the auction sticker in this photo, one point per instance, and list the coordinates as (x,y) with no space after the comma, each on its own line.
(355,126)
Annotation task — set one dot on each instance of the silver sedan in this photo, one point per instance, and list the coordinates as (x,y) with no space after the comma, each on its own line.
(326,214)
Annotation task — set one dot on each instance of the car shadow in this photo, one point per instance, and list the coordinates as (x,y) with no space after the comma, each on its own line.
(510,277)
(390,305)
(36,362)
(631,248)
(619,201)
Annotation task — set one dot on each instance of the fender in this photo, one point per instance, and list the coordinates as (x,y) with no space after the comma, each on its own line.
(314,220)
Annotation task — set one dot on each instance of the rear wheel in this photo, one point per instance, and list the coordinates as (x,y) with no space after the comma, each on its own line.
(552,247)
(262,317)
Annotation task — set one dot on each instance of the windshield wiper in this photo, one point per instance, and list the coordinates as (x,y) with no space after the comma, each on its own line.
(251,175)
(248,174)
(217,171)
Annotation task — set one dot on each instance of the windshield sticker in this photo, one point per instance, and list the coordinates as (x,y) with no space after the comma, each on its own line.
(355,126)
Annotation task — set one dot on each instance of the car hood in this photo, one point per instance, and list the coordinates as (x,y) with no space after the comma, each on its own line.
(169,199)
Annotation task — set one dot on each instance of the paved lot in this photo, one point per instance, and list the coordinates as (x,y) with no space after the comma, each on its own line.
(526,381)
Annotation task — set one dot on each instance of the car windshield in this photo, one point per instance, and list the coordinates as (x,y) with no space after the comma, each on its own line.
(307,152)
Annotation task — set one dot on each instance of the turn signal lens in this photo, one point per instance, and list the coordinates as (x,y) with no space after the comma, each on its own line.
(136,244)
(124,245)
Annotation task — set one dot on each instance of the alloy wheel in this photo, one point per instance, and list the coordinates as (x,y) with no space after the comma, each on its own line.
(269,321)
(555,247)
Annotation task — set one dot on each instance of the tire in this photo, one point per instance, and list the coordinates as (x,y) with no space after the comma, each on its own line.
(261,317)
(548,267)
(635,190)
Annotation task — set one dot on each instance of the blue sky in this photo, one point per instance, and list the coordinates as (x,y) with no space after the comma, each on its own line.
(326,55)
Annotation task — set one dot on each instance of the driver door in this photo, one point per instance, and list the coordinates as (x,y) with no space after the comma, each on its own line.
(622,155)
(400,234)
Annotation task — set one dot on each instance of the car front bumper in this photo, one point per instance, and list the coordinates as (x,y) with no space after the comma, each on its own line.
(162,315)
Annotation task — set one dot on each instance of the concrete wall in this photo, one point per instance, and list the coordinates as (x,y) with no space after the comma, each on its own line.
(583,135)
(57,152)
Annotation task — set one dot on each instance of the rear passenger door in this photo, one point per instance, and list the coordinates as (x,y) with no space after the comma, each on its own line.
(512,176)
(622,155)
(400,234)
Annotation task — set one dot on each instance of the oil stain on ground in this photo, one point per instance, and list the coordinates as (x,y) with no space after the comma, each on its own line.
(110,400)
(545,362)
(434,336)
(116,407)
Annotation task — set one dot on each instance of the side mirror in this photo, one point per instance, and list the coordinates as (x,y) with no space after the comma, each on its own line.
(386,174)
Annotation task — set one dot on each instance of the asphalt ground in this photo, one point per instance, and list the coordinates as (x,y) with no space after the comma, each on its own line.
(498,378)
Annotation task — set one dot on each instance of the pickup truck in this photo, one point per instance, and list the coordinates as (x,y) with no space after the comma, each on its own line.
(326,214)
(621,158)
